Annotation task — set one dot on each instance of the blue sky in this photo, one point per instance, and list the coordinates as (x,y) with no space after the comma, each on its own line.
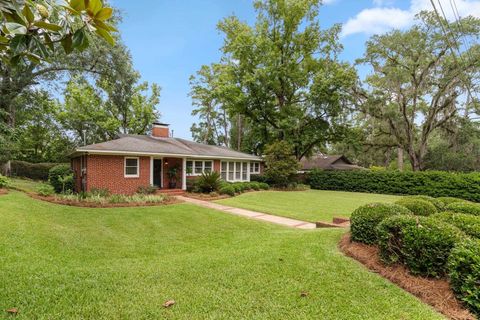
(170,39)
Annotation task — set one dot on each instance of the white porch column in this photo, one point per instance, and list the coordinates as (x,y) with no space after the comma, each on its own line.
(248,170)
(184,174)
(151,171)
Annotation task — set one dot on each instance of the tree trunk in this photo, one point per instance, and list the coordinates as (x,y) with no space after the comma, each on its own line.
(400,158)
(6,168)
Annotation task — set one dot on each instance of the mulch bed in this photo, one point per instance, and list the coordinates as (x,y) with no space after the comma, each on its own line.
(435,292)
(53,199)
(3,191)
(205,197)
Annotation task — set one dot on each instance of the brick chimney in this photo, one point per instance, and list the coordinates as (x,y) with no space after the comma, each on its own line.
(160,130)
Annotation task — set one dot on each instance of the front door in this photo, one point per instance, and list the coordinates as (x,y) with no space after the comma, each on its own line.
(157,172)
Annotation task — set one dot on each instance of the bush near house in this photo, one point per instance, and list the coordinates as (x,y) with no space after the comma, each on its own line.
(35,171)
(4,182)
(61,178)
(365,219)
(430,183)
(464,207)
(419,207)
(45,190)
(468,223)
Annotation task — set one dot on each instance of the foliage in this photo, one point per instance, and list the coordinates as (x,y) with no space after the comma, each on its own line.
(36,171)
(465,222)
(418,86)
(4,182)
(464,207)
(102,197)
(364,220)
(464,273)
(423,244)
(418,207)
(227,189)
(147,189)
(208,182)
(29,30)
(58,178)
(280,164)
(431,183)
(448,200)
(45,190)
(97,192)
(439,205)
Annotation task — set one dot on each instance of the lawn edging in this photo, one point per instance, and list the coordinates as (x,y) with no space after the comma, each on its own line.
(434,292)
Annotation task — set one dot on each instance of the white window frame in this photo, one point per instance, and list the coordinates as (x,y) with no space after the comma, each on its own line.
(192,174)
(252,167)
(125,167)
(236,170)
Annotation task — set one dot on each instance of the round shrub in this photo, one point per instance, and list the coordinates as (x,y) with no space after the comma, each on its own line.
(227,189)
(58,177)
(45,190)
(466,222)
(439,205)
(419,207)
(464,272)
(464,207)
(254,185)
(3,182)
(264,186)
(423,244)
(365,219)
(448,200)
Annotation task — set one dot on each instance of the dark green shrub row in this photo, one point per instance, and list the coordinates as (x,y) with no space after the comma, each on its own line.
(466,222)
(419,207)
(464,272)
(61,178)
(464,207)
(239,187)
(365,219)
(36,171)
(431,183)
(423,244)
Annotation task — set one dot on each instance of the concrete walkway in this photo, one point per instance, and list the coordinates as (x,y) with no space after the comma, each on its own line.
(299,224)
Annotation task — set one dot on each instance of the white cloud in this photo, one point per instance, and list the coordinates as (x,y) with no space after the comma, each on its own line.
(382,19)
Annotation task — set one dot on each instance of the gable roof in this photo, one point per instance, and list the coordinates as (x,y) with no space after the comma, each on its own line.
(148,145)
(333,162)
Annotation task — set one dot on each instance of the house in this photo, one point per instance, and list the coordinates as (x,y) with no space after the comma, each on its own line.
(321,161)
(132,161)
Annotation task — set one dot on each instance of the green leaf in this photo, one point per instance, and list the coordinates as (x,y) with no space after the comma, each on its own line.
(78,5)
(105,26)
(33,57)
(18,44)
(79,40)
(107,36)
(48,41)
(27,12)
(3,39)
(41,47)
(72,11)
(48,26)
(67,44)
(104,14)
(94,6)
(15,28)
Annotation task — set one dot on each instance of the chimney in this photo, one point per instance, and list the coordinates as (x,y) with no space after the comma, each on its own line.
(160,130)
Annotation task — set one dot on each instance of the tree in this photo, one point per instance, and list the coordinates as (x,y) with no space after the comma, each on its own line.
(281,166)
(283,76)
(418,84)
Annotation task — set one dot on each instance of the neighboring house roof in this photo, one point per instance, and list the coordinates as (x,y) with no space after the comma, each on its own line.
(333,162)
(148,145)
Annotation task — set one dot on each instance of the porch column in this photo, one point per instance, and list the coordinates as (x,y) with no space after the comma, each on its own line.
(184,173)
(151,171)
(248,170)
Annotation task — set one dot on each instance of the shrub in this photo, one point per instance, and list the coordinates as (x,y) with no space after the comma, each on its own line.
(467,223)
(227,189)
(4,182)
(208,182)
(280,164)
(417,206)
(423,244)
(254,185)
(448,200)
(439,205)
(147,189)
(45,190)
(238,187)
(259,178)
(464,272)
(36,171)
(365,219)
(430,183)
(57,176)
(464,207)
(264,186)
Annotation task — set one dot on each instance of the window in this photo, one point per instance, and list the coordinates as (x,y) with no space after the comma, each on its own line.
(231,171)
(224,171)
(197,167)
(131,167)
(234,171)
(255,167)
(244,171)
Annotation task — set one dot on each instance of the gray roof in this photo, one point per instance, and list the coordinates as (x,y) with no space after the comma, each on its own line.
(142,144)
(332,162)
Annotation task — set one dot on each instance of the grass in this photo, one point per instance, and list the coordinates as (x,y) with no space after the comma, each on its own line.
(311,205)
(59,262)
(26,185)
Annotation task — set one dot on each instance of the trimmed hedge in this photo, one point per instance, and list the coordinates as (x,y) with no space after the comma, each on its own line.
(422,243)
(464,272)
(419,207)
(439,205)
(448,200)
(35,171)
(365,219)
(464,207)
(431,183)
(467,223)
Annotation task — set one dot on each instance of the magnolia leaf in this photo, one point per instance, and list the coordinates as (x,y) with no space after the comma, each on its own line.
(79,40)
(27,12)
(41,47)
(18,44)
(33,58)
(48,26)
(104,14)
(73,11)
(48,41)
(94,6)
(107,36)
(78,5)
(15,28)
(67,44)
(105,26)
(3,39)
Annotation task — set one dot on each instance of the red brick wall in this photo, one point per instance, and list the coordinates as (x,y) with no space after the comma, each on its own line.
(160,132)
(170,163)
(107,172)
(216,165)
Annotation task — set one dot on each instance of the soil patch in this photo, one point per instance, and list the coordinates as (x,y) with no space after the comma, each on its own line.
(53,199)
(435,292)
(3,191)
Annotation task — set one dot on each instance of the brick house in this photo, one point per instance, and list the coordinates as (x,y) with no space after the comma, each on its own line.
(132,161)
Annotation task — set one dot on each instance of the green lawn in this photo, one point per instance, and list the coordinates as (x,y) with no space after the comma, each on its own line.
(26,185)
(59,262)
(311,205)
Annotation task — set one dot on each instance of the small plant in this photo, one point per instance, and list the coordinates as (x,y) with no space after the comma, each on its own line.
(58,178)
(172,174)
(4,182)
(147,189)
(417,206)
(99,192)
(208,182)
(227,189)
(464,207)
(66,181)
(45,190)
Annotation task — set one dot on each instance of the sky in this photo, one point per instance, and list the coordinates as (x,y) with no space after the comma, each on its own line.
(171,39)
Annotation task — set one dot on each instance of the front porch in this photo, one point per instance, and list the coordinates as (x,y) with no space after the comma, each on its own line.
(168,174)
